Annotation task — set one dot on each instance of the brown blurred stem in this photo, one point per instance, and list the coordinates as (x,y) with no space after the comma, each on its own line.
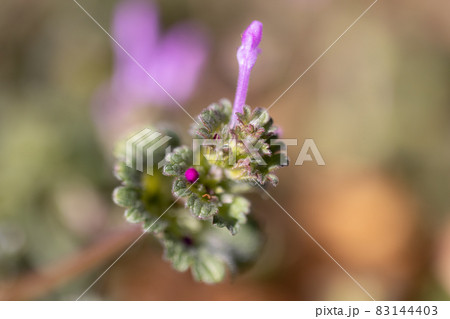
(38,283)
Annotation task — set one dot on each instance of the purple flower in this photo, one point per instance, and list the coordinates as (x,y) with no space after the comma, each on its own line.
(246,56)
(174,59)
(191,175)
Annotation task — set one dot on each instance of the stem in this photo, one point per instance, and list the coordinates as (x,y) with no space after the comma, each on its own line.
(38,283)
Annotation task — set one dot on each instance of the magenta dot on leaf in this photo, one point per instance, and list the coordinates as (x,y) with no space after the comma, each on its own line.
(191,175)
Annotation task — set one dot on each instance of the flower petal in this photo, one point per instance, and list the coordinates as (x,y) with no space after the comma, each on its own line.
(135,28)
(179,60)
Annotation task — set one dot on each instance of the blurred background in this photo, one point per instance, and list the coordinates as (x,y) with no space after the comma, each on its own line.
(377,106)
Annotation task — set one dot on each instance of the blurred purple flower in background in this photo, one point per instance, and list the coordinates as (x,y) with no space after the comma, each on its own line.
(174,59)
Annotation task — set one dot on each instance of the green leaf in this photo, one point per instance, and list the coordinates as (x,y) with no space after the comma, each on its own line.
(260,117)
(136,214)
(126,196)
(239,251)
(178,161)
(233,215)
(208,268)
(181,187)
(245,116)
(128,175)
(201,208)
(272,178)
(213,119)
(178,254)
(215,115)
(154,225)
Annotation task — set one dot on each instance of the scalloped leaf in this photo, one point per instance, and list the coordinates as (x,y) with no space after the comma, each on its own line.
(213,119)
(273,179)
(126,196)
(181,187)
(201,208)
(136,215)
(208,268)
(178,254)
(178,161)
(260,117)
(245,116)
(128,175)
(233,215)
(154,225)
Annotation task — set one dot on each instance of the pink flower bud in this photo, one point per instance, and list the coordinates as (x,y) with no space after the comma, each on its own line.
(191,175)
(246,56)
